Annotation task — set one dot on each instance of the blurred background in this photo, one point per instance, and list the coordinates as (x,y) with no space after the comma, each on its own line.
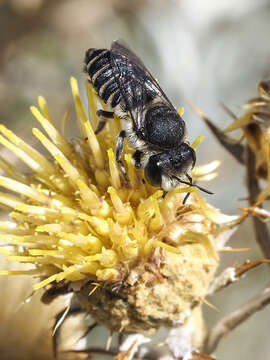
(210,52)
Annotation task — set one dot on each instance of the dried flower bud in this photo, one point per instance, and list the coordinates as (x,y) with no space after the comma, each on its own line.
(255,123)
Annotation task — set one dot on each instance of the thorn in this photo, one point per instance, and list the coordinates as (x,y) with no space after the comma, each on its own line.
(109,341)
(228,249)
(209,304)
(233,147)
(228,110)
(59,320)
(88,330)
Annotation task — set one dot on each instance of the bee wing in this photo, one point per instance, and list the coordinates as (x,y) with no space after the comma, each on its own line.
(135,82)
(130,80)
(123,49)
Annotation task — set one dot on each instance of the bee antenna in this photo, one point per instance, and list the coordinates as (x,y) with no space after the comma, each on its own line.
(190,183)
(203,189)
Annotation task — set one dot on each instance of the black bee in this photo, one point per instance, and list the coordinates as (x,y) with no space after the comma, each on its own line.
(151,124)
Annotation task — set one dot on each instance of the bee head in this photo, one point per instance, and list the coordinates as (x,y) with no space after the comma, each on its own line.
(162,169)
(183,159)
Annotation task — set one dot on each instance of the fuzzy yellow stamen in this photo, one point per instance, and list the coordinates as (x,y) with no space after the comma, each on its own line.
(167,247)
(197,141)
(122,213)
(44,109)
(92,105)
(51,131)
(25,152)
(34,165)
(94,145)
(13,228)
(10,170)
(181,111)
(23,189)
(10,200)
(81,115)
(114,171)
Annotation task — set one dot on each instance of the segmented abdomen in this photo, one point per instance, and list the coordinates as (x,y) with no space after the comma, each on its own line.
(98,67)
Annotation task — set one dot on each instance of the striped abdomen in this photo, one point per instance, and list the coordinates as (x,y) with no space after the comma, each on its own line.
(98,67)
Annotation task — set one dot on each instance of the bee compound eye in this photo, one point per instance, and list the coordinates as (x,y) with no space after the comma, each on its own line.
(152,172)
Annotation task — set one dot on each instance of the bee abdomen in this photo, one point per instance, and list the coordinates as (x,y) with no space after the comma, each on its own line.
(98,66)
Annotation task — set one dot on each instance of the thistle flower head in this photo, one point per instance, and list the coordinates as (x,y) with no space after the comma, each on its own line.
(122,247)
(255,126)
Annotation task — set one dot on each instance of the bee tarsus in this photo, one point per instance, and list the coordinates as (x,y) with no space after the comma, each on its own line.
(119,152)
(104,115)
(137,159)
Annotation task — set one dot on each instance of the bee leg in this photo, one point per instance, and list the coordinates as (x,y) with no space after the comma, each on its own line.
(164,194)
(185,198)
(104,115)
(187,195)
(189,179)
(119,151)
(100,126)
(137,158)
